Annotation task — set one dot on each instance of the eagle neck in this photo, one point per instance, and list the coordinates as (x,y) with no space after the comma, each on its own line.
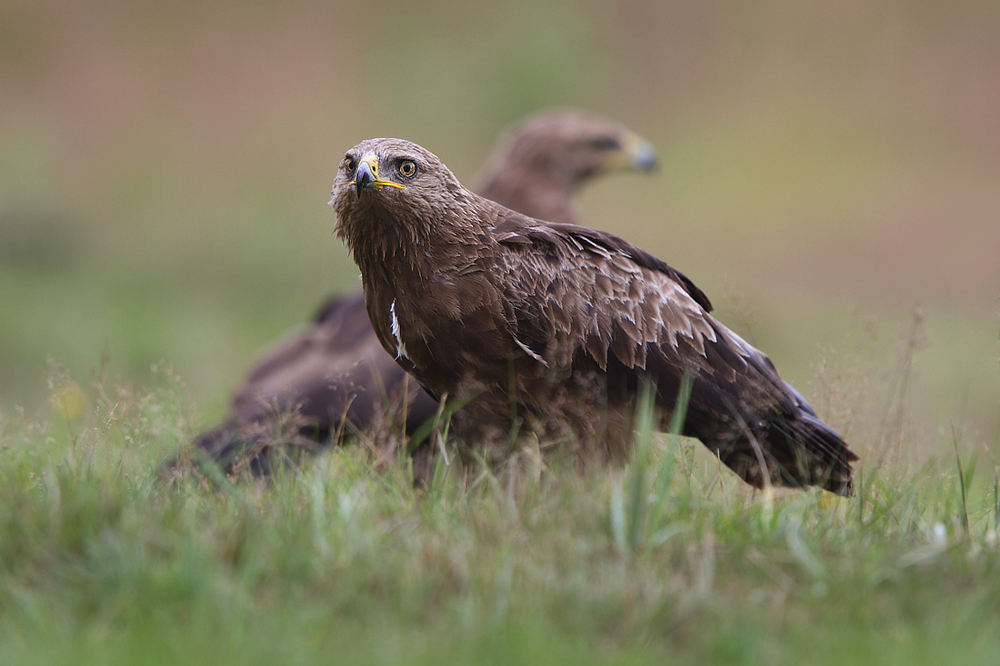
(403,252)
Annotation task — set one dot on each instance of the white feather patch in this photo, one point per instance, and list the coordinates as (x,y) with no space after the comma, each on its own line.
(531,353)
(394,325)
(595,247)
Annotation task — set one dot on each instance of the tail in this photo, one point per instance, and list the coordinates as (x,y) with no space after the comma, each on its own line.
(254,448)
(817,455)
(792,448)
(233,447)
(820,450)
(779,444)
(257,446)
(796,453)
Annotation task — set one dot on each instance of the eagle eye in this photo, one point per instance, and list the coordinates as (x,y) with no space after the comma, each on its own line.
(349,163)
(408,168)
(605,143)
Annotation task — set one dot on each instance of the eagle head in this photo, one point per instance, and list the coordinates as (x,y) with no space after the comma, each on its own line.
(391,194)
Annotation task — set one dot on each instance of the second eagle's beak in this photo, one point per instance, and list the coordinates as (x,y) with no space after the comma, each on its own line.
(633,152)
(642,154)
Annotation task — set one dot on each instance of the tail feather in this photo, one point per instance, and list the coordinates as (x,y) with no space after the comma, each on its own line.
(790,448)
(257,448)
(810,452)
(786,450)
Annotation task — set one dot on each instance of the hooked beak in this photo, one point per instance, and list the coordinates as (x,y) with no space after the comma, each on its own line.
(367,177)
(364,178)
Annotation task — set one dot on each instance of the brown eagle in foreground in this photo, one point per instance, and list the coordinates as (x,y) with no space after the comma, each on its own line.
(334,376)
(557,327)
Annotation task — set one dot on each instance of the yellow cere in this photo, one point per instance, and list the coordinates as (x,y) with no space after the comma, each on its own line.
(379,183)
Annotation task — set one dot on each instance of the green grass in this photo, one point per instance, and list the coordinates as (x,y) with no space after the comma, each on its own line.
(104,561)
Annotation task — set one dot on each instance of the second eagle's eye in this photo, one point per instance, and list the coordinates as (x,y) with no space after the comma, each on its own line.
(605,143)
(349,163)
(408,168)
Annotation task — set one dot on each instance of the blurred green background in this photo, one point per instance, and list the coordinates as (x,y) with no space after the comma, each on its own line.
(827,166)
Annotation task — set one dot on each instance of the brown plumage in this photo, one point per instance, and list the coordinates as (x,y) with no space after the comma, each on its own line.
(334,376)
(555,327)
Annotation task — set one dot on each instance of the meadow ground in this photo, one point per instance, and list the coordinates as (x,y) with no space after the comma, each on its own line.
(103,560)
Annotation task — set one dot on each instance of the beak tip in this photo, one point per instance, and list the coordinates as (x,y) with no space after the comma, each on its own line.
(644,157)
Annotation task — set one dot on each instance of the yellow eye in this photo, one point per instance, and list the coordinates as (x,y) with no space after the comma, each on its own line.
(348,163)
(408,168)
